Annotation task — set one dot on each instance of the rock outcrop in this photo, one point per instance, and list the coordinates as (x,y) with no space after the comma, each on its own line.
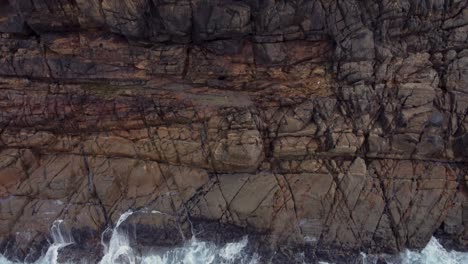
(321,124)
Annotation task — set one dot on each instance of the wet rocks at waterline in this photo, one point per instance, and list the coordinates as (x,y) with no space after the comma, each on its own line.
(324,127)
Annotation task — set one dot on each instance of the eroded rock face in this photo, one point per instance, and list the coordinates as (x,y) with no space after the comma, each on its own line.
(326,125)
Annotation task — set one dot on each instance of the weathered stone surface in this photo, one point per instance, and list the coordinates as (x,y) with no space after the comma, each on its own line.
(329,126)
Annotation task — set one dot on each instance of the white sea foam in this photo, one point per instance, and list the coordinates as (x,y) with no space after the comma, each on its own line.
(119,251)
(60,240)
(434,253)
(199,252)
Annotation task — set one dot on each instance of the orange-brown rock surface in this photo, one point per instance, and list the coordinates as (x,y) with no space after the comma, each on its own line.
(322,124)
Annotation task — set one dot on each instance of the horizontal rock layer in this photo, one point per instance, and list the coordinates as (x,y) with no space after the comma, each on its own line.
(321,124)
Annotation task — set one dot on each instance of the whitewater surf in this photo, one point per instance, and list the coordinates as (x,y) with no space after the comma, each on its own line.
(118,250)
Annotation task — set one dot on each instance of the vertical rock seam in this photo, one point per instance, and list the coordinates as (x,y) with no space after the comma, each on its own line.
(328,126)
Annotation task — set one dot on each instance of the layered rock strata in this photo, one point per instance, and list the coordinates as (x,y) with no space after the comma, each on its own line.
(322,124)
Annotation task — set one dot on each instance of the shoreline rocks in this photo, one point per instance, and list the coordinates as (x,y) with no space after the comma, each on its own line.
(321,124)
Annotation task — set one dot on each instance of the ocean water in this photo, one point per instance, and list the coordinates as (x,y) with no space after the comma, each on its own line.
(118,251)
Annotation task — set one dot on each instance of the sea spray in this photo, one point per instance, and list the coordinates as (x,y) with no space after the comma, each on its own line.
(199,252)
(433,253)
(60,239)
(118,250)
(193,251)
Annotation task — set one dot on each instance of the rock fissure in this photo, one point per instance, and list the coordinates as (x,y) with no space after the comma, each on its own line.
(330,126)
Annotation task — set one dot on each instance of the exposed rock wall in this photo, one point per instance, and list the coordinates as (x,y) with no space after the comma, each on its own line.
(324,123)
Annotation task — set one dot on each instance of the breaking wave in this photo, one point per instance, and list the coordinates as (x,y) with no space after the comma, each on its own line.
(433,253)
(119,251)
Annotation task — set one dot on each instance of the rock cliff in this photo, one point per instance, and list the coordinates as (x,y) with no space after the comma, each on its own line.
(333,126)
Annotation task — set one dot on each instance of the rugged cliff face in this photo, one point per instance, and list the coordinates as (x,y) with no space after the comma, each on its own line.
(318,124)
